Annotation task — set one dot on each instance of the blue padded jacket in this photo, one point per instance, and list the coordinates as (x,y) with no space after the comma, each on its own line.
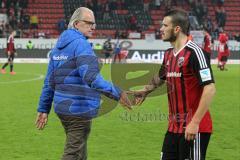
(73,82)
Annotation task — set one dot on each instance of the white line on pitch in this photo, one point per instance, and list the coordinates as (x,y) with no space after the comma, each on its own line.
(40,76)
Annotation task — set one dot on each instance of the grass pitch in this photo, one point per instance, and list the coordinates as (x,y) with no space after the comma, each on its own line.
(117,135)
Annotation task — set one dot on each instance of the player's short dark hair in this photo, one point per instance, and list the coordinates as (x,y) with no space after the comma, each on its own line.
(179,18)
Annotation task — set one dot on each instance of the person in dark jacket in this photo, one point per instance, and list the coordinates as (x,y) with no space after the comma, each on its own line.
(74,84)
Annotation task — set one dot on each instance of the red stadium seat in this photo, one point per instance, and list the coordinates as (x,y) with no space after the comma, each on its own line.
(49,12)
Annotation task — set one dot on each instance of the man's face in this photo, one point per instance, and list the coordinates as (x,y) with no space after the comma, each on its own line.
(14,33)
(87,24)
(167,30)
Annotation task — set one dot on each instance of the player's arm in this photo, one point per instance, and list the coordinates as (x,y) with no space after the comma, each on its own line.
(203,71)
(140,95)
(204,104)
(157,81)
(153,84)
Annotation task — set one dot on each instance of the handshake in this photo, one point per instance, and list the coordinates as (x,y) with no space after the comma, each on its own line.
(132,98)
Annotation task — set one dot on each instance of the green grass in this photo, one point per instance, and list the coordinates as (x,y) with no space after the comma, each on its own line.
(114,136)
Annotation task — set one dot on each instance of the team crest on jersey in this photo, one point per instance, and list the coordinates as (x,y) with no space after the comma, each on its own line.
(180,61)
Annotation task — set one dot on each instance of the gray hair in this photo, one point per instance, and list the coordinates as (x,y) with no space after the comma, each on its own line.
(77,15)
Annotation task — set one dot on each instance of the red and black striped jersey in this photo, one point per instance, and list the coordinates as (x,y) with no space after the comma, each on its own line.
(223,49)
(10,45)
(186,72)
(207,43)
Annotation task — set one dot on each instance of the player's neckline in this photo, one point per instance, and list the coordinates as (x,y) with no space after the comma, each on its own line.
(176,53)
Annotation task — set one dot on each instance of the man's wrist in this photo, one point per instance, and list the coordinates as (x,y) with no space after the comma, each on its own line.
(195,121)
(148,89)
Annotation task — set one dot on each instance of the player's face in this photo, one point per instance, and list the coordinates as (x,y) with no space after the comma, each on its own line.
(14,33)
(167,30)
(87,24)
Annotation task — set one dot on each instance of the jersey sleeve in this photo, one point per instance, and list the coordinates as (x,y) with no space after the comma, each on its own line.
(199,61)
(162,71)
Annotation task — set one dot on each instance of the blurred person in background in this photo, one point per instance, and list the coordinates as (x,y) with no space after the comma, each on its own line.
(223,51)
(29,45)
(61,25)
(207,41)
(237,37)
(107,50)
(34,21)
(98,48)
(11,52)
(116,52)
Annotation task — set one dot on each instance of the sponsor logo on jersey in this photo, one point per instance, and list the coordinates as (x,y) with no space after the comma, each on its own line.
(205,74)
(174,74)
(60,58)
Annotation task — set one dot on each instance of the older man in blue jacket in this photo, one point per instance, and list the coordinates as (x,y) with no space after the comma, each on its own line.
(73,83)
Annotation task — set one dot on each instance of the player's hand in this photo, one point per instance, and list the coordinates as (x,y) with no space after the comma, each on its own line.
(191,131)
(41,120)
(139,96)
(15,53)
(124,100)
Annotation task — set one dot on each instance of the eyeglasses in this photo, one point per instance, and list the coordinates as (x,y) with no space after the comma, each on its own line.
(89,23)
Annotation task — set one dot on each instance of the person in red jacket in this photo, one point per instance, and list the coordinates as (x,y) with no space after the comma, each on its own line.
(223,51)
(207,41)
(10,50)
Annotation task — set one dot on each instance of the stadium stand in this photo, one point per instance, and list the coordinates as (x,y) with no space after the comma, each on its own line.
(116,16)
(112,16)
(49,13)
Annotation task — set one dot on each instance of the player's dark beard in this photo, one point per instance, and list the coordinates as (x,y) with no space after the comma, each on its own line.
(172,37)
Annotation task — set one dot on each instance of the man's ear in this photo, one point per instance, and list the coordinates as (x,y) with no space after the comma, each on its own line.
(177,29)
(76,24)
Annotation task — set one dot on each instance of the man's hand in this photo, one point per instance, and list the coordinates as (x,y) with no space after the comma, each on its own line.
(41,120)
(139,96)
(124,100)
(191,131)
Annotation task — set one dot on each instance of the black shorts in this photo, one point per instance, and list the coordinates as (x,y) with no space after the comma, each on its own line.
(10,57)
(224,58)
(175,147)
